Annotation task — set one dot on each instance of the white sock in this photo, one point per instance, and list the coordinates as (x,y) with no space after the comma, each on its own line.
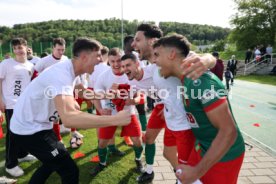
(149,169)
(103,163)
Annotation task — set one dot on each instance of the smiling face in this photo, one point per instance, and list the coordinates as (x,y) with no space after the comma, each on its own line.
(115,63)
(142,45)
(162,59)
(20,51)
(130,68)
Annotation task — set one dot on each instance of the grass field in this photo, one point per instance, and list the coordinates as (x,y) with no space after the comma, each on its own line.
(262,79)
(120,170)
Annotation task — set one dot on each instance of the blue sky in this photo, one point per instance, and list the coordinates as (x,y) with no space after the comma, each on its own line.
(211,12)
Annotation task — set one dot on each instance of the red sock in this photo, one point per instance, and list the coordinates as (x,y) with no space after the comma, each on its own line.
(1,132)
(56,129)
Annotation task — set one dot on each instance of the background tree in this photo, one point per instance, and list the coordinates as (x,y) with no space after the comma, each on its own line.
(254,22)
(108,31)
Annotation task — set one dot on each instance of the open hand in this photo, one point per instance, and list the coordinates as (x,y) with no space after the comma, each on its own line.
(195,65)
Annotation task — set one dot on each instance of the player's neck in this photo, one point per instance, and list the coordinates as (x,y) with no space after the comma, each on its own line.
(140,74)
(77,67)
(20,59)
(177,70)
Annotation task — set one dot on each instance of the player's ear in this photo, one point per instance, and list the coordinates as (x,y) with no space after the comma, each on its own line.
(172,53)
(83,55)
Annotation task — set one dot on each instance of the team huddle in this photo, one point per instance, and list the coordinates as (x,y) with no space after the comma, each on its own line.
(202,141)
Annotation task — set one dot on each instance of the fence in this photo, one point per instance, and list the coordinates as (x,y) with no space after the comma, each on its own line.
(251,66)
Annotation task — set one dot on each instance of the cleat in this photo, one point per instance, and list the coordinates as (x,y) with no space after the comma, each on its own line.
(15,172)
(4,179)
(27,158)
(145,177)
(139,166)
(117,152)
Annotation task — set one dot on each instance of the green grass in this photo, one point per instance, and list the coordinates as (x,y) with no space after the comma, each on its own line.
(262,79)
(120,170)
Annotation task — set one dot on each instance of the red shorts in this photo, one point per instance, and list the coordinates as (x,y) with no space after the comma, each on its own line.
(98,113)
(133,130)
(157,121)
(184,140)
(221,172)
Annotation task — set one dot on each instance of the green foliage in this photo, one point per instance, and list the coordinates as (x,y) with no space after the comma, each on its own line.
(219,45)
(255,23)
(201,34)
(108,32)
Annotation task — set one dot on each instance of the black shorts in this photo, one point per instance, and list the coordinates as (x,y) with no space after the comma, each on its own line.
(45,146)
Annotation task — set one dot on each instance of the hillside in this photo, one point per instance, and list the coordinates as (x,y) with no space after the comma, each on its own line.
(107,31)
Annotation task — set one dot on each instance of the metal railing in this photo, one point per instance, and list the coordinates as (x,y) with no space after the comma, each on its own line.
(254,63)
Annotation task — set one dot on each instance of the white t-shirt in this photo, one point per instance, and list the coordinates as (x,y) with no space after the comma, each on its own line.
(98,70)
(47,62)
(35,60)
(104,83)
(16,76)
(35,109)
(257,52)
(174,111)
(143,63)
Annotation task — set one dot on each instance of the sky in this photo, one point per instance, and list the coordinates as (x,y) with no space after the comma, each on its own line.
(210,12)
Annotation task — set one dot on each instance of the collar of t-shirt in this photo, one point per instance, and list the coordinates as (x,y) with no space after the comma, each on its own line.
(55,57)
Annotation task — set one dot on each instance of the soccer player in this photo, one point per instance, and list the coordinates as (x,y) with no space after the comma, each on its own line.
(57,56)
(99,69)
(32,123)
(128,49)
(15,76)
(145,36)
(219,153)
(141,79)
(104,83)
(31,58)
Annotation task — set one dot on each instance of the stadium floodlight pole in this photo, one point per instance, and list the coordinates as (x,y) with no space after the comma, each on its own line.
(1,53)
(122,24)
